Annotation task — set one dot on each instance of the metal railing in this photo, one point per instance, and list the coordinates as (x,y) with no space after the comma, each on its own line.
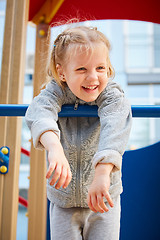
(18,110)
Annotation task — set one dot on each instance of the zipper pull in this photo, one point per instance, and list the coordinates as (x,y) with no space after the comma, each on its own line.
(76,104)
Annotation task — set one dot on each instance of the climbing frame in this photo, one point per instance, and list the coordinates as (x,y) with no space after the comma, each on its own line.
(12,82)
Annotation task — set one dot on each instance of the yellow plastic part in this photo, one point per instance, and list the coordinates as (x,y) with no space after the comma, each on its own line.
(4,150)
(26,214)
(42,32)
(3,169)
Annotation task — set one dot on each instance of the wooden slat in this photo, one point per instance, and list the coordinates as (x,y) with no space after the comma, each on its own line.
(47,11)
(13,132)
(37,196)
(37,191)
(4,83)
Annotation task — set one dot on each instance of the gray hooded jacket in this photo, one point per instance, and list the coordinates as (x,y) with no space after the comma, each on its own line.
(86,140)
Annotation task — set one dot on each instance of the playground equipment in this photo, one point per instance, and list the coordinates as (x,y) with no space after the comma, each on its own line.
(141,195)
(4,159)
(11,91)
(42,13)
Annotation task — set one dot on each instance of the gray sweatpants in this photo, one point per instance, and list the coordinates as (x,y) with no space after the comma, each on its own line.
(83,224)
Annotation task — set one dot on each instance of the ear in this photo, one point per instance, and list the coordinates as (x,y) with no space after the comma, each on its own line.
(109,72)
(60,72)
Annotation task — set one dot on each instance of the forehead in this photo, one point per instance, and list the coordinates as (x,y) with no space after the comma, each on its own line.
(85,52)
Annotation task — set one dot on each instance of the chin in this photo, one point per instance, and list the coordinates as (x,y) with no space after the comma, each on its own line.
(89,99)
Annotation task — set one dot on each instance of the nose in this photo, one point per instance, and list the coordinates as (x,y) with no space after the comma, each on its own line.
(92,76)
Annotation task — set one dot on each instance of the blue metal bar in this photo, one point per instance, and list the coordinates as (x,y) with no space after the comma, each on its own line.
(13,110)
(146,111)
(19,110)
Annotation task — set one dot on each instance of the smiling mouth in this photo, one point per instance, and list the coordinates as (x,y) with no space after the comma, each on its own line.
(90,88)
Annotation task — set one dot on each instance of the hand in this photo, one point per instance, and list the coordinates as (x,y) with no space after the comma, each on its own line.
(57,160)
(60,166)
(99,189)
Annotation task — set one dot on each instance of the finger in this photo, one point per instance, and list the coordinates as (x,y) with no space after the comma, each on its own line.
(90,204)
(101,203)
(50,170)
(109,199)
(68,178)
(98,206)
(62,178)
(56,174)
(95,204)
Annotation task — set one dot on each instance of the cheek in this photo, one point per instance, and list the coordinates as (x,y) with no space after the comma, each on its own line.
(73,82)
(72,86)
(104,78)
(104,82)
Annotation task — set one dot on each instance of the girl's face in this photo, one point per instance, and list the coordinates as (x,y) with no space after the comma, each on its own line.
(86,72)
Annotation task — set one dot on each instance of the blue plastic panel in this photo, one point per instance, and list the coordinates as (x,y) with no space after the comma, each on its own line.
(141,196)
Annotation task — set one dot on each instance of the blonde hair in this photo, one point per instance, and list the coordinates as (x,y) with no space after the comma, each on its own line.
(79,36)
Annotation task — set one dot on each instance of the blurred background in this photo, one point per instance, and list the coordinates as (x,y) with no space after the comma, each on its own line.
(135,56)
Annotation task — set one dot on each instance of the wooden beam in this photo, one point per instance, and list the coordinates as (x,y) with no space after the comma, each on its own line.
(4,83)
(37,207)
(13,130)
(47,11)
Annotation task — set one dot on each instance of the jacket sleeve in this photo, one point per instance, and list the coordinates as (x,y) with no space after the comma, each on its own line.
(114,111)
(42,114)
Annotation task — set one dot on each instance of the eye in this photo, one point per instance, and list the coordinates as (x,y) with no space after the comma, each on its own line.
(100,67)
(81,69)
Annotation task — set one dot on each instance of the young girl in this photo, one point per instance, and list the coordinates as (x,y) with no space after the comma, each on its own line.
(84,154)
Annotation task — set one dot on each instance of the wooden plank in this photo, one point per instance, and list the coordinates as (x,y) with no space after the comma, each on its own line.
(37,191)
(11,188)
(7,50)
(4,83)
(47,11)
(32,195)
(37,196)
(13,133)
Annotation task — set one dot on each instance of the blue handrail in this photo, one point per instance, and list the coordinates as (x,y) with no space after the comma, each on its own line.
(18,110)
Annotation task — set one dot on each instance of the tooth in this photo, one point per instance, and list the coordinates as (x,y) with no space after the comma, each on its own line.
(90,87)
